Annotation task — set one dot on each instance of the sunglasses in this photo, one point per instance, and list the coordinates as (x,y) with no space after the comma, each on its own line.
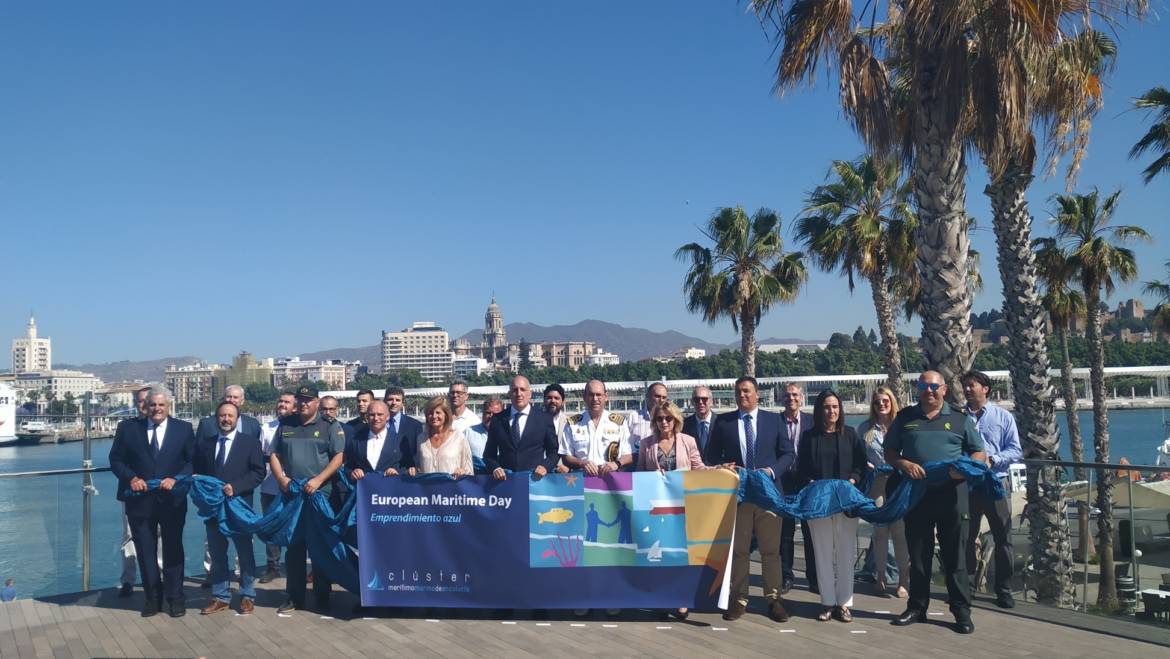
(660,419)
(933,386)
(701,399)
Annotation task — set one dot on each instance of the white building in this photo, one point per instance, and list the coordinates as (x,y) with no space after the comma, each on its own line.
(195,382)
(688,353)
(792,347)
(602,358)
(469,366)
(58,383)
(31,354)
(422,347)
(119,394)
(335,373)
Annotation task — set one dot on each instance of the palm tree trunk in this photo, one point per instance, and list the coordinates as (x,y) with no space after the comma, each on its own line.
(940,186)
(1031,390)
(747,341)
(1107,588)
(1077,449)
(884,306)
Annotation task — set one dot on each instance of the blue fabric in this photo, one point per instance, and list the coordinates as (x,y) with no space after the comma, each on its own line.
(825,498)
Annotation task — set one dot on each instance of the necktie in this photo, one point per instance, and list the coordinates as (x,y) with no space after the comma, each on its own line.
(749,435)
(704,430)
(154,442)
(516,428)
(221,456)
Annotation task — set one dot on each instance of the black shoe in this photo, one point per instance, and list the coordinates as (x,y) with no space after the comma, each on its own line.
(788,583)
(909,617)
(126,590)
(269,574)
(1005,601)
(151,607)
(178,609)
(321,602)
(963,625)
(288,607)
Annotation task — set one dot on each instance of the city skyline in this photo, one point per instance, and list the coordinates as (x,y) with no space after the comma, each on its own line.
(478,149)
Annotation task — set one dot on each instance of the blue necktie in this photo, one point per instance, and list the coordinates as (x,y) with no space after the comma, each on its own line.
(221,457)
(749,435)
(516,428)
(154,442)
(704,431)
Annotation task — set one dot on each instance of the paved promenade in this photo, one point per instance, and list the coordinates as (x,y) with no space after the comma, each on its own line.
(100,624)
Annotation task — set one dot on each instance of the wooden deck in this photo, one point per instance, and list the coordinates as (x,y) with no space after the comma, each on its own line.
(98,623)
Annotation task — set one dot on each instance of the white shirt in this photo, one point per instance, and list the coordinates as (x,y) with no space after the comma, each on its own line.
(227,446)
(162,431)
(640,427)
(465,420)
(267,434)
(523,417)
(585,440)
(374,447)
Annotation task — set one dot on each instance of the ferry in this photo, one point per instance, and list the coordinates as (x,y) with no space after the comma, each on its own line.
(7,416)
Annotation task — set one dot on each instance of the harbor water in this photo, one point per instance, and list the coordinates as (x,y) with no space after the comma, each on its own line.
(40,518)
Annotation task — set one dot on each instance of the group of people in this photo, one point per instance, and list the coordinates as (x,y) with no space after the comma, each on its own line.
(308,443)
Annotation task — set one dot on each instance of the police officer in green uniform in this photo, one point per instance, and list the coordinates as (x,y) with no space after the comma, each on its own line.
(311,447)
(926,432)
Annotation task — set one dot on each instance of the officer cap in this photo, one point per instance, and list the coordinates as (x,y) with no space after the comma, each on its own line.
(307,391)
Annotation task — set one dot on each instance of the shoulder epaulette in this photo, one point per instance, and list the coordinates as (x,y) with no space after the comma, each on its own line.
(575,418)
(617,418)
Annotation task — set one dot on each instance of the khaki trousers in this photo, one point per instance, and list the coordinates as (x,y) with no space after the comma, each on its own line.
(749,519)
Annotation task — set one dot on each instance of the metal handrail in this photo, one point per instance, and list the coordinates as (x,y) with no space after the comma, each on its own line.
(1093,465)
(54,472)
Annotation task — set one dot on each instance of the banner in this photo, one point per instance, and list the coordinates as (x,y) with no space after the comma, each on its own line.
(628,539)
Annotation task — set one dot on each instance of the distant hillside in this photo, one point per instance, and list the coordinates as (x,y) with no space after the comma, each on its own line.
(147,371)
(629,343)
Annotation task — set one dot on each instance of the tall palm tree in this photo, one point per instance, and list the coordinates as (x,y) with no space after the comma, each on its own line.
(1098,260)
(744,273)
(1063,305)
(1160,320)
(1157,138)
(862,223)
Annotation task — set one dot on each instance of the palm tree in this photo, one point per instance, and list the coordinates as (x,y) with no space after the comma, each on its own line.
(862,223)
(743,274)
(1156,100)
(1160,320)
(1063,305)
(1098,259)
(34,397)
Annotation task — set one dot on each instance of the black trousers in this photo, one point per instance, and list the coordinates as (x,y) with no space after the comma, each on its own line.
(943,509)
(145,531)
(999,519)
(788,551)
(294,560)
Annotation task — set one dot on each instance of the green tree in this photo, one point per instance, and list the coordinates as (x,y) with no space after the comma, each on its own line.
(260,392)
(1159,320)
(1098,259)
(742,275)
(862,224)
(1157,138)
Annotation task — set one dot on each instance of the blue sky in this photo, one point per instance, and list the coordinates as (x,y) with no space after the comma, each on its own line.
(204,178)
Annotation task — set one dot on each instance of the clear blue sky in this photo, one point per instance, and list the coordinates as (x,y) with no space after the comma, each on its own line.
(202,178)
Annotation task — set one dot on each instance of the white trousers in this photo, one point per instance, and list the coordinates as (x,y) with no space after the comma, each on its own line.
(834,541)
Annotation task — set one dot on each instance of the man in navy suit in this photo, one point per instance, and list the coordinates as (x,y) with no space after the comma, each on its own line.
(750,438)
(794,422)
(378,448)
(400,424)
(522,437)
(237,459)
(698,425)
(208,428)
(159,448)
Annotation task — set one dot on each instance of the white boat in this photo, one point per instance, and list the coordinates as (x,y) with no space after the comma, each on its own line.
(7,415)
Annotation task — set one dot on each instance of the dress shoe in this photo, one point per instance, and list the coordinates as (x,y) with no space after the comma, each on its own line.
(126,590)
(151,607)
(788,583)
(246,606)
(776,611)
(288,607)
(680,614)
(269,575)
(321,602)
(843,614)
(1005,601)
(215,607)
(963,625)
(178,608)
(909,617)
(735,612)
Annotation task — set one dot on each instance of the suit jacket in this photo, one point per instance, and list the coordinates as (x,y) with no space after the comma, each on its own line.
(243,469)
(790,481)
(773,449)
(130,457)
(830,455)
(537,445)
(398,451)
(355,426)
(691,427)
(208,428)
(686,454)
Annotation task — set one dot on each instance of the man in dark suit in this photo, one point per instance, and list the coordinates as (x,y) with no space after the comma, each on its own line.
(129,558)
(376,448)
(160,448)
(358,423)
(208,428)
(522,437)
(793,423)
(237,459)
(698,425)
(750,438)
(400,424)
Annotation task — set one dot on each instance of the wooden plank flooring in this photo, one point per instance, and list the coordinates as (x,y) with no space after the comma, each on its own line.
(100,624)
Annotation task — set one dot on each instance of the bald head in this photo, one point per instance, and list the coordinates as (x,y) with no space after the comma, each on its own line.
(377,415)
(520,392)
(932,391)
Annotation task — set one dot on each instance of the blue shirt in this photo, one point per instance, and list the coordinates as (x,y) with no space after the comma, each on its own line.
(1001,438)
(477,438)
(7,594)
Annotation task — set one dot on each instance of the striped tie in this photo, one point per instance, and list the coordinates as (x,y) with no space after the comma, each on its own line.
(749,434)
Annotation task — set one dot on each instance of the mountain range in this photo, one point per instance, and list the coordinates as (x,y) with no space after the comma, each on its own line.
(628,343)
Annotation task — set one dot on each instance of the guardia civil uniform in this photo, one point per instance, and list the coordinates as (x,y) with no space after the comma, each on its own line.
(608,441)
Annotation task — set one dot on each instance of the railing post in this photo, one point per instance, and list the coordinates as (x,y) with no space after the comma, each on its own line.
(87,490)
(1091,544)
(1133,550)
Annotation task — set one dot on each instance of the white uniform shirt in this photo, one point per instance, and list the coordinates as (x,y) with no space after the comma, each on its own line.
(267,434)
(465,420)
(639,425)
(585,440)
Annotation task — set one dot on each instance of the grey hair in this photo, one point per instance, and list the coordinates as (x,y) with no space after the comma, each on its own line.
(459,381)
(160,391)
(236,387)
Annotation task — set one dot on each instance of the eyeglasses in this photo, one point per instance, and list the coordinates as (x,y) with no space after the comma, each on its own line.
(933,386)
(328,409)
(458,393)
(701,399)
